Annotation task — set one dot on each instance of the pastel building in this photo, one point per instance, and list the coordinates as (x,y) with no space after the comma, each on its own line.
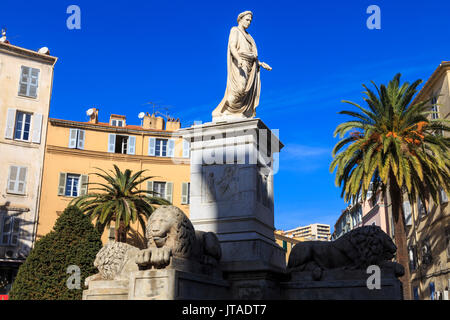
(312,232)
(26,79)
(428,224)
(75,149)
(286,242)
(365,213)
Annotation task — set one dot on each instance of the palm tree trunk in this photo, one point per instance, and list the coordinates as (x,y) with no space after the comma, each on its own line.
(395,193)
(121,233)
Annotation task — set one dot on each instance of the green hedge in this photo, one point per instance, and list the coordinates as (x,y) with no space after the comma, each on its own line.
(43,276)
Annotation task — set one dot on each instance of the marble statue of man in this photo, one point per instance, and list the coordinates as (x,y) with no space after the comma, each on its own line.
(243,84)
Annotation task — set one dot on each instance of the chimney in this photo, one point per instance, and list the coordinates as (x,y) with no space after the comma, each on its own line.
(152,122)
(94,116)
(173,124)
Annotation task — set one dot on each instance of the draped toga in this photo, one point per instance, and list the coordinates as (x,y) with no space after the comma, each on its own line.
(243,84)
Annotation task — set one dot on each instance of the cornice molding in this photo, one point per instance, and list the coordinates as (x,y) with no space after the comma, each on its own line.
(111,129)
(25,53)
(115,156)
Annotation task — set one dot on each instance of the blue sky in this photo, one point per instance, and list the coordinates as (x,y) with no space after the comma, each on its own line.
(174,53)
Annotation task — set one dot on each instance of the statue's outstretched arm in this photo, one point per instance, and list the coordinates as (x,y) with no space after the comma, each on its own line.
(265,66)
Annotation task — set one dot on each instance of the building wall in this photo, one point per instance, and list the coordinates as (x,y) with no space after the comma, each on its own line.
(23,207)
(287,243)
(316,231)
(430,232)
(60,158)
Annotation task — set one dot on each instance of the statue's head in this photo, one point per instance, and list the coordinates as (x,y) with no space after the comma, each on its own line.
(169,227)
(159,227)
(245,18)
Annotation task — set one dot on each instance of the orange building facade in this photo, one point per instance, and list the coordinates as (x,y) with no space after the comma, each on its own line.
(75,149)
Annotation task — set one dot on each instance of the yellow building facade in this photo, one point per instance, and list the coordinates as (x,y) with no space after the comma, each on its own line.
(286,242)
(75,149)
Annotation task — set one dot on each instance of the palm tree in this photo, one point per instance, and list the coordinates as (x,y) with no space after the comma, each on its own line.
(120,200)
(393,146)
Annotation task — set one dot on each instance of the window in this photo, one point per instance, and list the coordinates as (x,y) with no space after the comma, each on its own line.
(22,126)
(186,149)
(9,230)
(76,138)
(161,147)
(432,290)
(117,123)
(421,208)
(185,192)
(28,84)
(72,185)
(407,213)
(161,189)
(426,252)
(17,180)
(447,236)
(412,251)
(444,196)
(434,108)
(284,245)
(416,293)
(18,126)
(121,144)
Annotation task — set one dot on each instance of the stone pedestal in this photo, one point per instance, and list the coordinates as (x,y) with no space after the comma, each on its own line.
(172,284)
(232,166)
(341,284)
(107,290)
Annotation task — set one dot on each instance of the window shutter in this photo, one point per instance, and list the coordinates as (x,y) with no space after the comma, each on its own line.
(83,184)
(24,78)
(73,138)
(62,183)
(81,137)
(151,146)
(22,180)
(12,178)
(169,191)
(131,148)
(37,127)
(444,197)
(186,149)
(111,142)
(184,193)
(150,188)
(407,212)
(33,87)
(10,120)
(171,148)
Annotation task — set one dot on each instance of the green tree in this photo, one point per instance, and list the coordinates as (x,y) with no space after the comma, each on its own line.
(395,147)
(44,274)
(119,200)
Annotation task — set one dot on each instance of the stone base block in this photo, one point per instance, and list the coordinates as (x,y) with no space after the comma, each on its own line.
(263,285)
(252,255)
(340,285)
(170,284)
(107,290)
